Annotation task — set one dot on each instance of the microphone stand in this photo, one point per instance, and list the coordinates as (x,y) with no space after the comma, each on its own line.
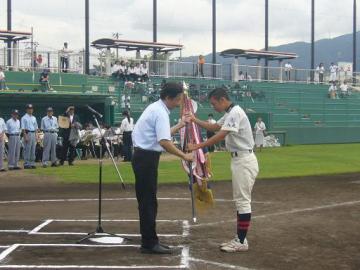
(99,229)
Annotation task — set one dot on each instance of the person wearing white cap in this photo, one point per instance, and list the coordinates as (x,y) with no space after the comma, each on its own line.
(29,128)
(50,127)
(13,132)
(2,137)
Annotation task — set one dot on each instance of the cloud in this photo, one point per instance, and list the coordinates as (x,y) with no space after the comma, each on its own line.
(239,23)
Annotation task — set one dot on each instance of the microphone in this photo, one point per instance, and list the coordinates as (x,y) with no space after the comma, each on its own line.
(94,111)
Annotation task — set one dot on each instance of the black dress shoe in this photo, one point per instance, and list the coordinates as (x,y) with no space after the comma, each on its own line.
(3,170)
(157,249)
(71,163)
(16,168)
(54,165)
(61,163)
(33,167)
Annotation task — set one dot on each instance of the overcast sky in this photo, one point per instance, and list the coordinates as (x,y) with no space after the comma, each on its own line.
(240,22)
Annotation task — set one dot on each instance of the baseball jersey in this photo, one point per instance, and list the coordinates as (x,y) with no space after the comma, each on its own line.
(240,137)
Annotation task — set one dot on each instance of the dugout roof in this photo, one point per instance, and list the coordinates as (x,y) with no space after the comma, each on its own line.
(256,54)
(14,35)
(130,45)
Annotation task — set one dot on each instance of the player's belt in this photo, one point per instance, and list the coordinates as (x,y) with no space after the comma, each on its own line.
(50,131)
(15,134)
(239,153)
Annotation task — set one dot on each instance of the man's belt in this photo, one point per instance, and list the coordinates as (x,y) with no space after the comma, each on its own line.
(15,134)
(29,131)
(138,149)
(239,153)
(49,131)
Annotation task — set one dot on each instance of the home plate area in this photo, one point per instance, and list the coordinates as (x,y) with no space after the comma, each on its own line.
(52,245)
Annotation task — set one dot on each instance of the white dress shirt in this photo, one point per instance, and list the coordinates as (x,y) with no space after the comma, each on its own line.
(152,127)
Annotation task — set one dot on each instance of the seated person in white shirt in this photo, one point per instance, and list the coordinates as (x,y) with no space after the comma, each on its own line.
(137,71)
(332,92)
(144,72)
(132,73)
(115,70)
(122,70)
(241,76)
(344,89)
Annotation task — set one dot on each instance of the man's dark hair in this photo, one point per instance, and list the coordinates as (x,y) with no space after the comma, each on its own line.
(210,115)
(171,90)
(219,93)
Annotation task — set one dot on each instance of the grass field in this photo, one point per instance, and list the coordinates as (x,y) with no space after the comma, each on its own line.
(301,160)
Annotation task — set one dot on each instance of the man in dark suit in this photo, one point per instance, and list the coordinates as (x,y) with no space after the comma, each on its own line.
(68,149)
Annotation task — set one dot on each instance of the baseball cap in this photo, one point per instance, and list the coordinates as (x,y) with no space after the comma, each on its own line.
(29,106)
(15,112)
(49,109)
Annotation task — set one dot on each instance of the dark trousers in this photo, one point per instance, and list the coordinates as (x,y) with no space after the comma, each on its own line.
(127,148)
(64,64)
(209,134)
(68,147)
(145,166)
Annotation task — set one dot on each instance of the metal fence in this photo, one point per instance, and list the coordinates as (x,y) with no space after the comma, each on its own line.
(29,60)
(101,63)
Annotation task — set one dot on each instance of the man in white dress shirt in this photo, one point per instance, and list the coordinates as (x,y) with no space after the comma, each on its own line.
(151,136)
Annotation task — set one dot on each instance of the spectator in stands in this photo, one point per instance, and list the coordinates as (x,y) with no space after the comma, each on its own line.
(333,72)
(332,90)
(344,90)
(132,73)
(126,128)
(122,70)
(2,80)
(39,61)
(241,76)
(288,67)
(64,57)
(115,70)
(137,71)
(144,72)
(201,63)
(320,70)
(45,81)
(209,134)
(259,130)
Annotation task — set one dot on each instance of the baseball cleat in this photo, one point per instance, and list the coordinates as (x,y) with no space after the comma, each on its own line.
(234,246)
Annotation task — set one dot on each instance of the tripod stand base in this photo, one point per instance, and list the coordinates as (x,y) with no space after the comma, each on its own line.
(102,237)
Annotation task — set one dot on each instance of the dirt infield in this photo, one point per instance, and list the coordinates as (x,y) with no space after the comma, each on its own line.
(300,223)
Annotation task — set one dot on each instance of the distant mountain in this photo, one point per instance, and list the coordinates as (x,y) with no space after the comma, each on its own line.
(338,49)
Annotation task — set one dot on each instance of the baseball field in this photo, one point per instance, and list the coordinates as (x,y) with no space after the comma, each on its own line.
(306,215)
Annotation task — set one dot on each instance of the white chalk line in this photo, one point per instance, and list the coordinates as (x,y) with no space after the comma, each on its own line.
(117,234)
(113,199)
(294,211)
(42,225)
(7,251)
(223,265)
(185,255)
(37,230)
(14,231)
(91,267)
(114,220)
(186,228)
(12,248)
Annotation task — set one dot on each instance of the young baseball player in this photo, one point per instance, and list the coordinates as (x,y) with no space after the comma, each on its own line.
(235,128)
